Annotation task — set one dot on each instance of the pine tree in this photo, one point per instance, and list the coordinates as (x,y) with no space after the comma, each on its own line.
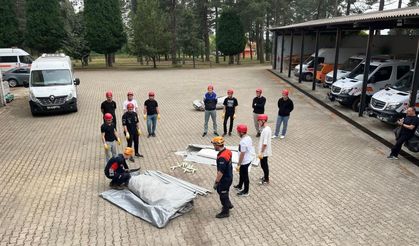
(9,33)
(188,37)
(104,29)
(150,30)
(44,26)
(230,34)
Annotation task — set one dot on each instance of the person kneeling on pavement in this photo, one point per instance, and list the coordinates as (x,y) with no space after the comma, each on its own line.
(224,177)
(117,169)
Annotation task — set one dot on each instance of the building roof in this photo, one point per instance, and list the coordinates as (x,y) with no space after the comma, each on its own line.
(376,16)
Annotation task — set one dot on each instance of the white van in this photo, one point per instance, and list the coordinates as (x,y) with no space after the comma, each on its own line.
(52,85)
(382,73)
(14,58)
(390,104)
(325,55)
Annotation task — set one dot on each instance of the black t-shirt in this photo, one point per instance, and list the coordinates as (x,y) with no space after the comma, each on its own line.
(230,104)
(115,165)
(409,120)
(130,119)
(258,105)
(151,106)
(109,131)
(108,107)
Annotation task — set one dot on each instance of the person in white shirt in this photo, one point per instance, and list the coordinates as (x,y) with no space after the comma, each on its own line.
(265,149)
(246,156)
(130,99)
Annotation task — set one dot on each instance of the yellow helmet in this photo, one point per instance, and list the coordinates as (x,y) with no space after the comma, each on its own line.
(128,151)
(218,141)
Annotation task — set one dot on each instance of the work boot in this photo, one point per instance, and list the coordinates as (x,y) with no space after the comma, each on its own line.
(204,134)
(258,134)
(132,159)
(224,134)
(229,133)
(138,155)
(216,134)
(153,135)
(149,135)
(223,214)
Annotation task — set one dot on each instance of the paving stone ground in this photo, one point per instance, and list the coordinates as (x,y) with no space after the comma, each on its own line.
(331,184)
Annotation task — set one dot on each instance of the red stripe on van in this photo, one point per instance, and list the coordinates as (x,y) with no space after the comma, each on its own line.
(5,65)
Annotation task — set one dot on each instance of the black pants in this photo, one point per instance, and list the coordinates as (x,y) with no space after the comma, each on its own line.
(121,178)
(265,168)
(244,177)
(399,143)
(226,117)
(133,138)
(223,191)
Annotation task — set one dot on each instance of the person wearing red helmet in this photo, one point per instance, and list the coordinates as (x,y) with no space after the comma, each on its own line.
(230,109)
(246,156)
(151,114)
(109,137)
(109,106)
(265,149)
(130,99)
(210,102)
(258,106)
(285,107)
(131,129)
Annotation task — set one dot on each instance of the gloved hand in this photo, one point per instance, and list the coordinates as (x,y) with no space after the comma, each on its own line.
(145,117)
(139,132)
(119,141)
(215,185)
(158,117)
(127,135)
(238,168)
(234,116)
(260,156)
(223,115)
(106,146)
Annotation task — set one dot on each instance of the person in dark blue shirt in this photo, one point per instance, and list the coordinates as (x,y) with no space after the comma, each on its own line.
(224,177)
(117,169)
(408,127)
(210,102)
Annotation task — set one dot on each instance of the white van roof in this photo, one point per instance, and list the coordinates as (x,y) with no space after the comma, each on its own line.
(52,61)
(13,51)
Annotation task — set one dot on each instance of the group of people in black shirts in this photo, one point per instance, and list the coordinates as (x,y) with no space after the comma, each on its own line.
(116,167)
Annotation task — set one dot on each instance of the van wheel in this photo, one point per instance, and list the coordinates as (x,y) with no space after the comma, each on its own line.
(308,77)
(356,105)
(12,83)
(33,112)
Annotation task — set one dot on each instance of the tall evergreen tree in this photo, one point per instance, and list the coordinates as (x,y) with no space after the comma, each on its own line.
(230,34)
(188,37)
(9,32)
(104,28)
(150,30)
(44,26)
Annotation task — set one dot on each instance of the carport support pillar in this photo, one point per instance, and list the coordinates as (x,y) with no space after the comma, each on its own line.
(316,56)
(366,71)
(415,82)
(291,47)
(300,79)
(282,53)
(276,50)
(337,46)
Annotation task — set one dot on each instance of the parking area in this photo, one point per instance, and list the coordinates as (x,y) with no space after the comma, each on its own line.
(331,184)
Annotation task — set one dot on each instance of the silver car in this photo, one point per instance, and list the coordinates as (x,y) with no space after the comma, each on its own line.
(16,76)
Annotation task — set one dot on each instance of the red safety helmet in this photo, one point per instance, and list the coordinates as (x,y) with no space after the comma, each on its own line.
(151,94)
(108,116)
(130,105)
(230,91)
(109,94)
(285,92)
(263,117)
(242,128)
(259,90)
(130,93)
(210,87)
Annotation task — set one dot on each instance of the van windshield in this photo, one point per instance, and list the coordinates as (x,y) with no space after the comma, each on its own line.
(405,83)
(50,77)
(350,64)
(359,70)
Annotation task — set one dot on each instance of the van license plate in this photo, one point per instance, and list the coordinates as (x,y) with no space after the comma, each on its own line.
(53,107)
